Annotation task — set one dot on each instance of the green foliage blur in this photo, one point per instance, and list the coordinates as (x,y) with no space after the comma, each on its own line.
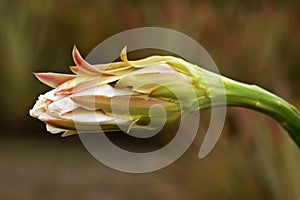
(251,41)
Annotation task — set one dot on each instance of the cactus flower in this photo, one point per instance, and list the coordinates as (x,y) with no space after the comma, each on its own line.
(85,98)
(120,94)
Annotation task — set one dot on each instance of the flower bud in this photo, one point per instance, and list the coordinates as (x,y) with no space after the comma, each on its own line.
(117,94)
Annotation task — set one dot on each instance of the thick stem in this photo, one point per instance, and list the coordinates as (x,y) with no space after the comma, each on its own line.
(255,98)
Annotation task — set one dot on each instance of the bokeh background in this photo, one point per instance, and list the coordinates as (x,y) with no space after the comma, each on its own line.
(251,41)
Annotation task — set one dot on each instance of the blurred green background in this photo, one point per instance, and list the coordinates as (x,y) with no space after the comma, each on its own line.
(251,41)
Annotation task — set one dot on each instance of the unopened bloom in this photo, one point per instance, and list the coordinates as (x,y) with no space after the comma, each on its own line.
(118,93)
(122,94)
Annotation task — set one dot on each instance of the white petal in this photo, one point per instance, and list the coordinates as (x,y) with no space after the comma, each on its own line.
(62,106)
(53,129)
(51,95)
(86,116)
(103,90)
(38,108)
(92,117)
(46,117)
(40,105)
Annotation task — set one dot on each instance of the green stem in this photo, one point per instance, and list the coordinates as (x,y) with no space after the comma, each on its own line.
(256,98)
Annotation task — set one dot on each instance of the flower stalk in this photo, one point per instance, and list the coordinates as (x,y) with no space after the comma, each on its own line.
(249,96)
(256,98)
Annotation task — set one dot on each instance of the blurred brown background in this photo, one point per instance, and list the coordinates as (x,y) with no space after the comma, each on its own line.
(251,41)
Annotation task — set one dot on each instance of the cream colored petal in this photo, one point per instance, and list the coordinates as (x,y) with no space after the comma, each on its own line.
(98,97)
(52,96)
(102,90)
(94,121)
(84,82)
(53,129)
(38,109)
(91,102)
(42,103)
(62,106)
(83,116)
(57,121)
